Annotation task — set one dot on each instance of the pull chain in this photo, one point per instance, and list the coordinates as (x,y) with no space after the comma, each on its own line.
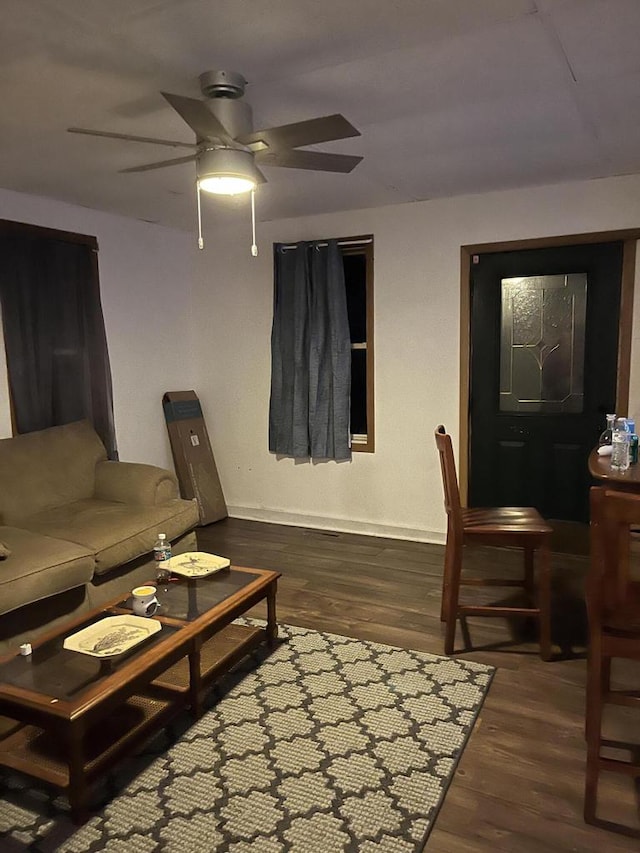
(200,240)
(254,247)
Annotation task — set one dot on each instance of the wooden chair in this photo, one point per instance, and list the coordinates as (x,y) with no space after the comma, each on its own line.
(521,527)
(613,610)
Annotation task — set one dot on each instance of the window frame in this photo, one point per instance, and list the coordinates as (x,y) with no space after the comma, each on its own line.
(363,245)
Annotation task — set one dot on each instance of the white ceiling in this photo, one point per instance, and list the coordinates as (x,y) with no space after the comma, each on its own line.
(451,96)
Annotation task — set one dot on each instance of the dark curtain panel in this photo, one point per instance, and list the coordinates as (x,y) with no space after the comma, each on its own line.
(310,353)
(55,341)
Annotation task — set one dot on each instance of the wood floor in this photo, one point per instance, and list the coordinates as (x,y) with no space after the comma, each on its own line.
(519,785)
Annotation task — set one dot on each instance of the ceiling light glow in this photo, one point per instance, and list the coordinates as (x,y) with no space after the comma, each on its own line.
(226,184)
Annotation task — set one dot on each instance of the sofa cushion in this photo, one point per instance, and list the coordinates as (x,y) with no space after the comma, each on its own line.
(114,531)
(47,468)
(39,566)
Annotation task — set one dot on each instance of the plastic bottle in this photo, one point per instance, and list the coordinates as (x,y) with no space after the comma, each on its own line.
(607,432)
(162,553)
(633,441)
(620,445)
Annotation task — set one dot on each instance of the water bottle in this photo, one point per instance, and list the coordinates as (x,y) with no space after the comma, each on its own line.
(620,440)
(162,553)
(633,441)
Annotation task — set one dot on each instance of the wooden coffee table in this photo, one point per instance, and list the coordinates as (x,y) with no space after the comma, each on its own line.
(76,714)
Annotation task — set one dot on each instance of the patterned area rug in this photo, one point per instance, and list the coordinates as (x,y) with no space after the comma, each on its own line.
(325,745)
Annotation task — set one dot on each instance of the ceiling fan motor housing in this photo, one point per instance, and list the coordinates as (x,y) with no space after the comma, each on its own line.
(222,84)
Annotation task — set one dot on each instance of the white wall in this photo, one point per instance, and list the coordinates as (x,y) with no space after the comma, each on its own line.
(146,279)
(396,490)
(178,319)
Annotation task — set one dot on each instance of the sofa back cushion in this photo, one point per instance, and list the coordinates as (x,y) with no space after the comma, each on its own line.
(48,468)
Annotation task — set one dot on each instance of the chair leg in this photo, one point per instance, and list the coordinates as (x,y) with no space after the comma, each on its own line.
(591,786)
(596,674)
(448,553)
(445,589)
(466,634)
(452,594)
(596,689)
(544,599)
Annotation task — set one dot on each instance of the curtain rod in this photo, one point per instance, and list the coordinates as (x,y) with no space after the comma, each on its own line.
(340,243)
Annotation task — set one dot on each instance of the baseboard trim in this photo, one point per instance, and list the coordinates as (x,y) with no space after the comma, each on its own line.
(339,525)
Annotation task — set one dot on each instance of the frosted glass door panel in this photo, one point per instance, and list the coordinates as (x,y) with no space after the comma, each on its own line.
(542,339)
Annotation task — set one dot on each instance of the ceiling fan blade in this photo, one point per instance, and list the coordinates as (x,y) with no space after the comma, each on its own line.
(129,138)
(260,178)
(146,168)
(310,132)
(318,160)
(198,117)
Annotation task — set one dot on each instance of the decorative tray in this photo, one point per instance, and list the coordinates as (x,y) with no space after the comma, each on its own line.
(112,636)
(197,564)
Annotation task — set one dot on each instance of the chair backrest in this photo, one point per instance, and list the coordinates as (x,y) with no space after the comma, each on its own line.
(449,476)
(613,513)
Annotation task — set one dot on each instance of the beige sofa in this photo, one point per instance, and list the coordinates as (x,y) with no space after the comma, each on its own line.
(78,529)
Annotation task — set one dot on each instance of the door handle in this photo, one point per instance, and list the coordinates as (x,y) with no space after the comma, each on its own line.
(518,431)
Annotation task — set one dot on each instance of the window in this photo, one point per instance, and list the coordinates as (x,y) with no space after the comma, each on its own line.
(321,403)
(54,337)
(357,255)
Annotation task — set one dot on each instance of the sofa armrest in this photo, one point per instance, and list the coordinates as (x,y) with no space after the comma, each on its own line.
(134,483)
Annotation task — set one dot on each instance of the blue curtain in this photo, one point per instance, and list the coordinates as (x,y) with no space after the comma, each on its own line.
(310,354)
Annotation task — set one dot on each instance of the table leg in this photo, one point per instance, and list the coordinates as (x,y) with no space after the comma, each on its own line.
(529,575)
(272,625)
(195,682)
(78,789)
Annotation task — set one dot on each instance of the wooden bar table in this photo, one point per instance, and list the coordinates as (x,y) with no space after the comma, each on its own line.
(600,469)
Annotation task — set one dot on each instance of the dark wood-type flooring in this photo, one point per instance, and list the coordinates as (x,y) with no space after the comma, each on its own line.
(519,784)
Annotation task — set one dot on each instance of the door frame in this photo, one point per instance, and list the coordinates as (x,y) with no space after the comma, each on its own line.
(629,237)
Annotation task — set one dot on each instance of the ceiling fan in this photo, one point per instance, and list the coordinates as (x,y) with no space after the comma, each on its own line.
(228,151)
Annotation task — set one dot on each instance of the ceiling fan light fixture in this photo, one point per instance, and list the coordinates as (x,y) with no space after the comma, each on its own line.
(226,171)
(226,184)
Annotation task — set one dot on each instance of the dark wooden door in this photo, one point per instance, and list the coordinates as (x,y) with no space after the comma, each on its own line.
(544,344)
